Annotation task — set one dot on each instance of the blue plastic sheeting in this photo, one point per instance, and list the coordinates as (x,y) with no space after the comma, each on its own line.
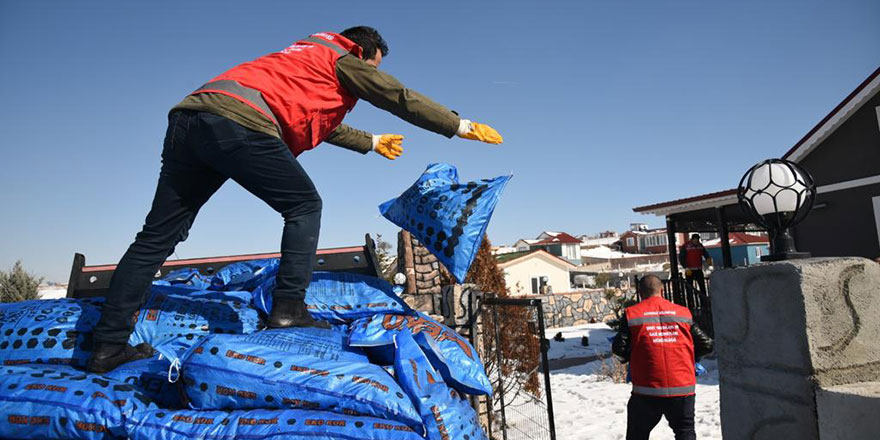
(449,218)
(151,377)
(452,355)
(187,278)
(340,297)
(180,320)
(447,416)
(303,368)
(264,424)
(56,331)
(245,275)
(58,402)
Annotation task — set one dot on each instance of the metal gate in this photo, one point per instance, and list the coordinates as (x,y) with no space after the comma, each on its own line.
(515,357)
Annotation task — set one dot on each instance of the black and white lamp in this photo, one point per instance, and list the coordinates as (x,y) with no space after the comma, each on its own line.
(778,194)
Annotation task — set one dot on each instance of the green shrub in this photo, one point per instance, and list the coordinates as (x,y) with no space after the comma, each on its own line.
(18,285)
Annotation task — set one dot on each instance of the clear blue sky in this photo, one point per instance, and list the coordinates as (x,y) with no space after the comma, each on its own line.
(603,105)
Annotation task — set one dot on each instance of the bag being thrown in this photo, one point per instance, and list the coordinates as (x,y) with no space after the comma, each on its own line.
(448,217)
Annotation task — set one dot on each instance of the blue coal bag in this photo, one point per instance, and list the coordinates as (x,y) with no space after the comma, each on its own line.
(300,368)
(59,402)
(186,278)
(263,424)
(446,414)
(182,319)
(151,378)
(245,275)
(56,331)
(452,355)
(340,297)
(448,217)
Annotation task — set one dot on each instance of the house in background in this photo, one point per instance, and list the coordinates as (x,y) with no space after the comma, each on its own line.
(524,244)
(559,244)
(643,240)
(535,272)
(603,258)
(745,249)
(605,238)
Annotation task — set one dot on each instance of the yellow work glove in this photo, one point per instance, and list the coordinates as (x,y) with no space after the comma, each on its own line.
(478,132)
(688,272)
(388,145)
(709,261)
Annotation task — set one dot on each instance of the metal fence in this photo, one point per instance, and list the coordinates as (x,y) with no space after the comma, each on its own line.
(696,297)
(516,361)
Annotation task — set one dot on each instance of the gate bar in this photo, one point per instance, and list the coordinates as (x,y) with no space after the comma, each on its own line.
(500,375)
(546,365)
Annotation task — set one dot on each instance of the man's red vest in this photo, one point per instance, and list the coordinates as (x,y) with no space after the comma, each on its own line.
(662,356)
(693,255)
(296,88)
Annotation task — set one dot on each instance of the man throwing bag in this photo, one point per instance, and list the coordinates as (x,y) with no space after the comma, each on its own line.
(249,124)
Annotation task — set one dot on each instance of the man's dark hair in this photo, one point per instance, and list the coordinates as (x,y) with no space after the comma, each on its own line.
(368,39)
(650,285)
(693,236)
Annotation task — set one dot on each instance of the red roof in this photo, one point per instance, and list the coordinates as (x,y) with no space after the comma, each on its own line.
(560,237)
(741,238)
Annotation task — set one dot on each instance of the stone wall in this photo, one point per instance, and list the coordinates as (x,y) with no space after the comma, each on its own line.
(798,346)
(575,308)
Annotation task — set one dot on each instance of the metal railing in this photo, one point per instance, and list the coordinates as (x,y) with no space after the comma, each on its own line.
(517,364)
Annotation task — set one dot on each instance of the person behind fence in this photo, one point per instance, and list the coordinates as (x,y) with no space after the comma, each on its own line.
(661,343)
(691,257)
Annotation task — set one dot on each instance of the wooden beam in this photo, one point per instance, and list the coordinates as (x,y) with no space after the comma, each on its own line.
(673,254)
(727,260)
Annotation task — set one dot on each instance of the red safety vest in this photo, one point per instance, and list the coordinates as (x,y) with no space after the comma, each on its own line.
(662,356)
(296,88)
(693,256)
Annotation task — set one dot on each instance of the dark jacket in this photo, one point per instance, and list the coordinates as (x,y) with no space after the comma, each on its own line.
(621,344)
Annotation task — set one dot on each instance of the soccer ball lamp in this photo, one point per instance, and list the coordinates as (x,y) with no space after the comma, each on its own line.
(778,194)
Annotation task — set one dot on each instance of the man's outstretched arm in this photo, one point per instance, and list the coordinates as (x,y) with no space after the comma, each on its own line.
(387,145)
(386,92)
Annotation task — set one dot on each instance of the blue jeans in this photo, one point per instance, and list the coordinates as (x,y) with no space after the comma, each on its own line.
(200,153)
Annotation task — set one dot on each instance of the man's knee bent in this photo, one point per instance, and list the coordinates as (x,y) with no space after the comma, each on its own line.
(303,208)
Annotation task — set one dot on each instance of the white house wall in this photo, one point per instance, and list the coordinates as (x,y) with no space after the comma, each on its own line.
(522,272)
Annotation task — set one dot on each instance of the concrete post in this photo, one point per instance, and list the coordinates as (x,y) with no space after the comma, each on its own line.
(792,339)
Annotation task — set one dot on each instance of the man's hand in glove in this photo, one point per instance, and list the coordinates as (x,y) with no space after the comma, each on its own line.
(388,145)
(478,132)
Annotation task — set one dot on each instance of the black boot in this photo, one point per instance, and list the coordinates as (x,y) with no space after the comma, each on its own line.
(107,356)
(292,313)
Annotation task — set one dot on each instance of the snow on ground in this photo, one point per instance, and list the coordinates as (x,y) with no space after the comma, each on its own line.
(589,405)
(571,348)
(52,293)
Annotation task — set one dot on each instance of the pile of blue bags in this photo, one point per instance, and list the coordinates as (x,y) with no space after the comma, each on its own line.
(383,370)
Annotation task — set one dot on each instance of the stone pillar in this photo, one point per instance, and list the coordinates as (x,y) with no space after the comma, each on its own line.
(422,270)
(796,340)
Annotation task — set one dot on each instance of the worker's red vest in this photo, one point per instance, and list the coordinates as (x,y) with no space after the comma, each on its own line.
(296,88)
(662,356)
(693,255)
